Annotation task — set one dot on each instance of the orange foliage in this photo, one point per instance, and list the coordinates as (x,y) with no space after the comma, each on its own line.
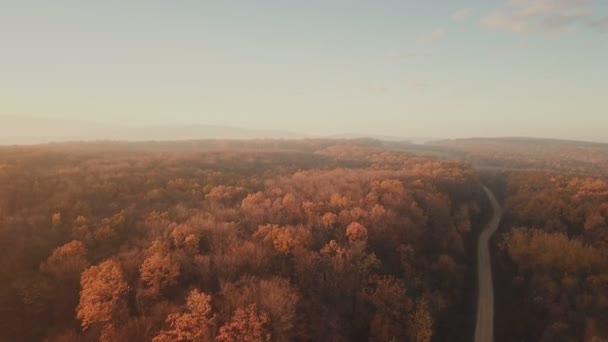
(247,325)
(196,324)
(103,295)
(291,240)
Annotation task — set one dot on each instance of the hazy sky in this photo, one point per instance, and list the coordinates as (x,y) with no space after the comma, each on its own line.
(407,68)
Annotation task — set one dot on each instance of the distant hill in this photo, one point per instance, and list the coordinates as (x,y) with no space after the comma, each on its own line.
(528,153)
(389,138)
(518,141)
(29,130)
(350,136)
(523,146)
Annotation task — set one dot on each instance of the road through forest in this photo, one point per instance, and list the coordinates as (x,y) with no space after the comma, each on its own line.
(484,328)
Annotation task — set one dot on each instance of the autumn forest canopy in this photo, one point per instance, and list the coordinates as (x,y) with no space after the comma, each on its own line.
(308,240)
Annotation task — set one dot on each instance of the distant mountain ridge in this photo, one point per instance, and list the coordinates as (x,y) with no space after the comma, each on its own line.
(24,130)
(18,130)
(30,130)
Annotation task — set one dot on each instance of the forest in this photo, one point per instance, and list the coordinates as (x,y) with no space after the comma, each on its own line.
(552,257)
(551,252)
(300,240)
(311,240)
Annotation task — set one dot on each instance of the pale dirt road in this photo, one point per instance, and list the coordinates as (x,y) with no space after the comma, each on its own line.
(484,329)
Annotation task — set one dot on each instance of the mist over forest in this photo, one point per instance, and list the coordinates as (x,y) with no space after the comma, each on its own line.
(301,240)
(307,171)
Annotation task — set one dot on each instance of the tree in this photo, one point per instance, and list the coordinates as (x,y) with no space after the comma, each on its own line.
(329,219)
(103,295)
(246,325)
(283,239)
(420,325)
(275,296)
(184,237)
(158,272)
(56,220)
(196,324)
(66,262)
(65,266)
(356,233)
(389,297)
(279,299)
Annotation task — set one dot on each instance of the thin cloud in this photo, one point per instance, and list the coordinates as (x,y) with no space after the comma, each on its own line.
(412,55)
(420,85)
(409,55)
(599,24)
(432,37)
(539,16)
(461,14)
(507,49)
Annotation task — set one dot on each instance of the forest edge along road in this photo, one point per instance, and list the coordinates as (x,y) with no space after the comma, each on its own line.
(484,328)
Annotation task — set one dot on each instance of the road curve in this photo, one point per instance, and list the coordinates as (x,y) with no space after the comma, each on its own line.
(484,329)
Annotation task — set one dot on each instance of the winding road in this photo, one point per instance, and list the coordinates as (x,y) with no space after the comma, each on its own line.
(484,328)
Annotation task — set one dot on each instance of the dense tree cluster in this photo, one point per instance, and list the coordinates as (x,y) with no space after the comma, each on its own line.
(236,241)
(553,257)
(551,253)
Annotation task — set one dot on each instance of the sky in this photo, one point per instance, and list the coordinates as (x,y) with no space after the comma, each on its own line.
(397,68)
